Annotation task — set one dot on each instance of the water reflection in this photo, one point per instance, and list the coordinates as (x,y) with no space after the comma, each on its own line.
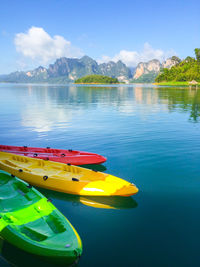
(57,106)
(115,202)
(46,108)
(109,202)
(19,258)
(43,119)
(186,100)
(95,167)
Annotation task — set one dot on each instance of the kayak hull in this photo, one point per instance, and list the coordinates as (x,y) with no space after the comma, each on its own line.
(17,257)
(32,223)
(65,178)
(58,155)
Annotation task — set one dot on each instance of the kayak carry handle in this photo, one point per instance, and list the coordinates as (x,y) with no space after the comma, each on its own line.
(20,170)
(45,177)
(12,175)
(48,147)
(75,179)
(69,164)
(63,155)
(29,186)
(70,150)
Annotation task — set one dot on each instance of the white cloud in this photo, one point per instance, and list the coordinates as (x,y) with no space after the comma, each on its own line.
(132,58)
(38,47)
(36,44)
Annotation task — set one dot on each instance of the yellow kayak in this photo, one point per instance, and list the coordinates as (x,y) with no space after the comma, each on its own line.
(65,178)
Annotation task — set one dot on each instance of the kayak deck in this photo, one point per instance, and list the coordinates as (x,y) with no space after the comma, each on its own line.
(14,194)
(59,155)
(65,178)
(30,222)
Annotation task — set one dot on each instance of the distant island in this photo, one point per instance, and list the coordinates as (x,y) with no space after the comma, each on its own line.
(96,79)
(182,73)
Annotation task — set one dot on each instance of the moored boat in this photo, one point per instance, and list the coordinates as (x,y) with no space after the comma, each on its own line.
(65,178)
(32,223)
(73,157)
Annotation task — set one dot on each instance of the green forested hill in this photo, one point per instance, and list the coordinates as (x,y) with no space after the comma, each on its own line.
(186,70)
(146,78)
(97,79)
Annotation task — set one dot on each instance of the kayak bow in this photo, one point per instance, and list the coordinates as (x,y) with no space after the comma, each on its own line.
(32,223)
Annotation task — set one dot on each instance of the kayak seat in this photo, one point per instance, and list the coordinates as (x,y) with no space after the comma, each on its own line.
(11,164)
(26,192)
(16,202)
(21,187)
(8,162)
(19,158)
(55,223)
(7,191)
(15,195)
(4,179)
(34,233)
(43,228)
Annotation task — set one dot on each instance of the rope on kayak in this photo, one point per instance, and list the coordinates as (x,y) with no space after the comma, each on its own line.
(35,154)
(45,177)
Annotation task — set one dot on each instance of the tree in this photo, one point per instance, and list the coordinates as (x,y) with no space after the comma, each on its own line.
(94,78)
(189,59)
(176,59)
(187,70)
(197,53)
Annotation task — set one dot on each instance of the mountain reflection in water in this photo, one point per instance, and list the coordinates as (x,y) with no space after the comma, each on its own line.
(61,104)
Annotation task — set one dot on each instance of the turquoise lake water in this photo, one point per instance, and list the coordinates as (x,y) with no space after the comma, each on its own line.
(150,136)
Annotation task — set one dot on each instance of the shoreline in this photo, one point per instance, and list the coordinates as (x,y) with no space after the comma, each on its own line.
(97,83)
(176,84)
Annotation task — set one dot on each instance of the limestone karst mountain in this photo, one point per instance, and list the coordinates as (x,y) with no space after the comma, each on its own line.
(147,71)
(69,69)
(66,70)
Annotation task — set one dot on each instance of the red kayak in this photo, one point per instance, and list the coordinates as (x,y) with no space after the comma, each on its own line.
(60,155)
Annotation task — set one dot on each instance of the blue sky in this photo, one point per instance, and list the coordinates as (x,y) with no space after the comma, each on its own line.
(105,30)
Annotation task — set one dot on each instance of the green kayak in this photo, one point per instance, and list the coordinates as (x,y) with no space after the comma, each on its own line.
(31,222)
